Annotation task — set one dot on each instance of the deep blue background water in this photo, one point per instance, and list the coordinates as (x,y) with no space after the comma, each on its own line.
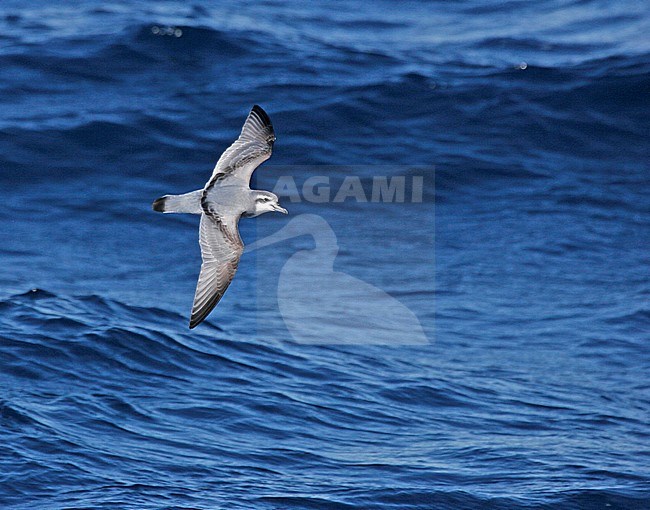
(531,283)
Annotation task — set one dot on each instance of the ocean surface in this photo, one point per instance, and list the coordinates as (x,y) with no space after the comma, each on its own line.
(519,268)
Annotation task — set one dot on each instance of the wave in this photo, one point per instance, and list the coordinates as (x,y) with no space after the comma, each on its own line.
(536,159)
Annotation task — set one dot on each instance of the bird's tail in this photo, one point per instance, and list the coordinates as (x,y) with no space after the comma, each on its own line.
(187,203)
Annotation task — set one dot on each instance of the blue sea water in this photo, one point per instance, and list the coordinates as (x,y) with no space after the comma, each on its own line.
(526,263)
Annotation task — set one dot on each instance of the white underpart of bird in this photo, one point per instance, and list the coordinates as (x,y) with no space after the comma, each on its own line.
(225,198)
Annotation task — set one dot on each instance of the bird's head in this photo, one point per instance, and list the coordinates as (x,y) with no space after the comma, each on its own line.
(265,201)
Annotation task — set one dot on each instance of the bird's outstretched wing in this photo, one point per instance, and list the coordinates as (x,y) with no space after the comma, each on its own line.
(250,150)
(221,248)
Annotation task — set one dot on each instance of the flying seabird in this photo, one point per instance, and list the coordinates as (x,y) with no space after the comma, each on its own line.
(225,198)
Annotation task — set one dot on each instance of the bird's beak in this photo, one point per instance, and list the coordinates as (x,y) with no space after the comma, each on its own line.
(278,208)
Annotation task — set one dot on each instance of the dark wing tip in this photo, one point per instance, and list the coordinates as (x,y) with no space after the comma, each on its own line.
(196,319)
(159,204)
(265,120)
(264,117)
(198,316)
